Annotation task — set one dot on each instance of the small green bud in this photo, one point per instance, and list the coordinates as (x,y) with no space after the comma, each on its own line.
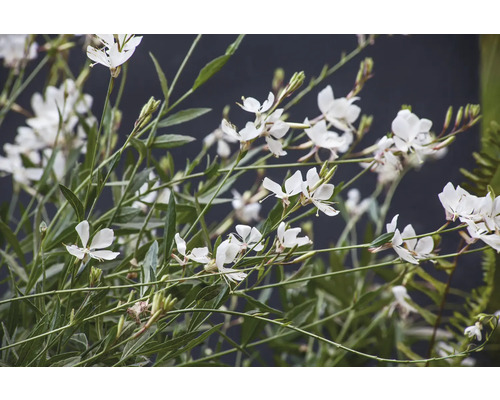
(296,82)
(447,119)
(95,276)
(72,316)
(43,229)
(279,77)
(459,117)
(330,174)
(147,110)
(119,327)
(225,112)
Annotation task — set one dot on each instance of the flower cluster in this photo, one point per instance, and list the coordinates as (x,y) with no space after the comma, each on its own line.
(480,214)
(411,143)
(53,126)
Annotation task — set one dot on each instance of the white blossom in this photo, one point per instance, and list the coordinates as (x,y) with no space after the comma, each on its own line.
(410,250)
(16,49)
(293,186)
(275,129)
(248,133)
(318,194)
(401,296)
(198,254)
(252,105)
(222,139)
(102,239)
(341,112)
(245,210)
(474,330)
(226,253)
(116,51)
(250,237)
(458,202)
(287,238)
(354,205)
(321,137)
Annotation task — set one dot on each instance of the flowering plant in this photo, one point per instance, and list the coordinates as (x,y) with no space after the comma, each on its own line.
(192,264)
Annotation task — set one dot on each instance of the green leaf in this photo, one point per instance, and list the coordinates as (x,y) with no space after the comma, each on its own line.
(215,65)
(161,77)
(169,228)
(126,214)
(259,305)
(12,240)
(14,266)
(140,146)
(382,239)
(208,293)
(149,267)
(183,116)
(73,200)
(171,141)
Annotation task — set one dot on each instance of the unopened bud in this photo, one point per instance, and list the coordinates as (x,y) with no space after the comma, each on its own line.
(303,257)
(447,119)
(95,276)
(365,124)
(225,112)
(72,316)
(279,77)
(42,228)
(296,81)
(459,117)
(147,110)
(330,174)
(444,143)
(119,327)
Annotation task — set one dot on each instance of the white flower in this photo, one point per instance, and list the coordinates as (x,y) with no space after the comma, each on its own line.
(226,253)
(249,238)
(401,295)
(102,239)
(318,194)
(479,231)
(293,186)
(287,238)
(222,139)
(116,51)
(474,330)
(353,205)
(412,134)
(458,202)
(249,132)
(274,130)
(387,165)
(245,210)
(252,105)
(410,250)
(321,137)
(13,164)
(15,49)
(341,113)
(198,254)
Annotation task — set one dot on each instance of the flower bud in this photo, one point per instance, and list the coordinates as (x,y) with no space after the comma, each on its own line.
(279,77)
(460,114)
(95,275)
(147,110)
(447,119)
(43,229)
(119,327)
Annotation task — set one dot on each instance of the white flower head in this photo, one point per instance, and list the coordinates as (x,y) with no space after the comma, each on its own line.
(16,50)
(287,238)
(198,254)
(116,51)
(102,239)
(293,186)
(318,194)
(321,137)
(274,130)
(249,236)
(245,210)
(354,205)
(458,202)
(474,330)
(222,139)
(401,296)
(252,105)
(410,250)
(226,253)
(341,112)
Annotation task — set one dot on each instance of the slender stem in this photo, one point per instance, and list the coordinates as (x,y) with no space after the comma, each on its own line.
(184,62)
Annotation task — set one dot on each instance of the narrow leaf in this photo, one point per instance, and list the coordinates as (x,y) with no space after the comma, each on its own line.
(73,200)
(183,116)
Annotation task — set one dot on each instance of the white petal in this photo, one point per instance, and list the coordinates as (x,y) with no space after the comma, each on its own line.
(75,251)
(293,185)
(243,231)
(275,146)
(325,99)
(102,239)
(424,246)
(324,192)
(83,231)
(104,254)
(273,187)
(181,244)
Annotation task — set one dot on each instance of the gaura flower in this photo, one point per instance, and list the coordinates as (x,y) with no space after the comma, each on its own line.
(252,105)
(474,330)
(353,205)
(287,238)
(318,194)
(293,186)
(116,51)
(412,134)
(249,236)
(341,113)
(457,202)
(274,130)
(16,50)
(401,295)
(249,132)
(226,253)
(245,210)
(222,139)
(198,254)
(410,250)
(321,137)
(102,239)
